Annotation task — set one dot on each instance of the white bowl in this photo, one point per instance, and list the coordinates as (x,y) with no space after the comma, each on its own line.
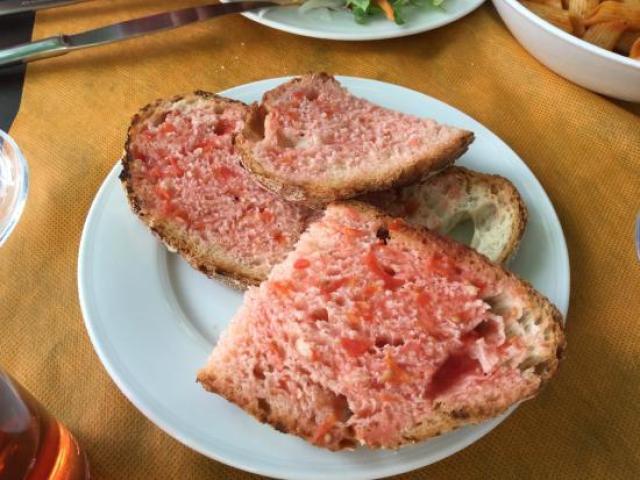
(581,62)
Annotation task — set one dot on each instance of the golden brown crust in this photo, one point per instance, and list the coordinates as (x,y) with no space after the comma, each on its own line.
(215,265)
(501,186)
(209,385)
(276,92)
(316,195)
(480,190)
(278,416)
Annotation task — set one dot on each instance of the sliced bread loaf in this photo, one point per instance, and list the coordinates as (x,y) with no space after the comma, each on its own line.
(313,142)
(455,195)
(183,178)
(374,332)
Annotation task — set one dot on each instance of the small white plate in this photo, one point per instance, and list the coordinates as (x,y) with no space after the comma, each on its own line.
(153,320)
(340,25)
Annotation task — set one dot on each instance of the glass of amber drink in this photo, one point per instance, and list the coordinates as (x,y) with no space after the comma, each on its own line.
(33,444)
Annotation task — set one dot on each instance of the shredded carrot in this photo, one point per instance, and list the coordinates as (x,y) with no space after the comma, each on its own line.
(387,9)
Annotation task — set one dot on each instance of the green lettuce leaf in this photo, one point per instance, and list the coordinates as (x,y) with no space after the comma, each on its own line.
(362,9)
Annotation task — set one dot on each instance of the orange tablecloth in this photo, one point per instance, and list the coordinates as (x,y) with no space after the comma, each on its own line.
(584,148)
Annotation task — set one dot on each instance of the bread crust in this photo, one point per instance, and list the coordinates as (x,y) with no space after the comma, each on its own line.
(494,189)
(500,186)
(214,264)
(316,195)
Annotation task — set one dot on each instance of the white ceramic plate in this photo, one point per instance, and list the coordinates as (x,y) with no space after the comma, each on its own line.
(340,25)
(153,320)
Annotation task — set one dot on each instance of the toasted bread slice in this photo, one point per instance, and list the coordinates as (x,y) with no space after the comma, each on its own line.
(183,178)
(445,200)
(313,142)
(377,333)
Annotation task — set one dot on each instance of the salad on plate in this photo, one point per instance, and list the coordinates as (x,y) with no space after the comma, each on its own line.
(362,10)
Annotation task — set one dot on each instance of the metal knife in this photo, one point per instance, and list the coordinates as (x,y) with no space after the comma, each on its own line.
(61,44)
(18,6)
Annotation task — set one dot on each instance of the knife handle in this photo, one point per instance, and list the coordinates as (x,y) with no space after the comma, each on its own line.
(19,6)
(27,52)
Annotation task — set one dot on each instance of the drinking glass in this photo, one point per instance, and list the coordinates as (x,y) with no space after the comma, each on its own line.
(33,444)
(14,184)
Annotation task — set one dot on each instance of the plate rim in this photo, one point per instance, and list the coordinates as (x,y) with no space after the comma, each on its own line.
(355,37)
(100,345)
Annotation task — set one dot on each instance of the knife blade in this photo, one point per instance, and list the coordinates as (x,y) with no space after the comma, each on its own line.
(8,7)
(61,44)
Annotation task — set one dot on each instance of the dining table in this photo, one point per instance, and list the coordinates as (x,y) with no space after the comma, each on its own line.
(70,114)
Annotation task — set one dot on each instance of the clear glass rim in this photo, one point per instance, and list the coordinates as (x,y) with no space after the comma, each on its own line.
(22,188)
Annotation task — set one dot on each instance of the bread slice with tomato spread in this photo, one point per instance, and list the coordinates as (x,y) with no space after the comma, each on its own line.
(373,332)
(311,141)
(445,200)
(183,178)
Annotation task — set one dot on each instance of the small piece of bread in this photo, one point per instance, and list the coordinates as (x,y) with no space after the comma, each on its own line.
(313,142)
(183,178)
(456,195)
(375,332)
